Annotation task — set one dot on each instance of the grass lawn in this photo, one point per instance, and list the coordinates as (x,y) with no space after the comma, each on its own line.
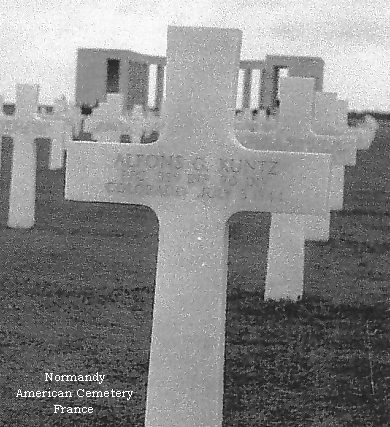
(77,291)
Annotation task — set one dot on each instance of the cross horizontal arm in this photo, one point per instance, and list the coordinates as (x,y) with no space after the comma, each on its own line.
(152,176)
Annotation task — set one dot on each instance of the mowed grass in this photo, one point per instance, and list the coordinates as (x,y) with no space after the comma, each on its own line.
(77,292)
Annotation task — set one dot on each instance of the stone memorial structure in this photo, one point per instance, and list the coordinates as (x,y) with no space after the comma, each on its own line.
(104,71)
(195,177)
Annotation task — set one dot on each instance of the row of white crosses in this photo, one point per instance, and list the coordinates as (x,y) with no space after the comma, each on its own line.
(24,127)
(331,117)
(195,177)
(109,121)
(244,120)
(288,232)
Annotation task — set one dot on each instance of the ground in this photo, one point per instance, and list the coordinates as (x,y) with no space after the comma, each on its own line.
(76,296)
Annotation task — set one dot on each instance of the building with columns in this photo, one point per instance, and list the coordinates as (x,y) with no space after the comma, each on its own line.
(102,71)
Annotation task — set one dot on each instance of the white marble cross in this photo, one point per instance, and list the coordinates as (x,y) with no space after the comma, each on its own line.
(370,127)
(108,122)
(330,115)
(64,119)
(326,117)
(138,124)
(341,113)
(155,122)
(294,133)
(244,120)
(365,132)
(68,112)
(24,127)
(264,123)
(331,118)
(326,121)
(195,177)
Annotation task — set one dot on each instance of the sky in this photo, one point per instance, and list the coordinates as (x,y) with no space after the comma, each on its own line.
(39,38)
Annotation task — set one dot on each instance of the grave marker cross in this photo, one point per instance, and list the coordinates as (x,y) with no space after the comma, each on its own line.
(195,177)
(108,122)
(294,132)
(365,132)
(24,127)
(342,146)
(66,119)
